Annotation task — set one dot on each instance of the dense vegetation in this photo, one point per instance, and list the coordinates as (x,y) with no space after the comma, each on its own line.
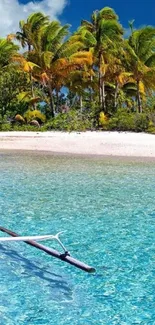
(93,79)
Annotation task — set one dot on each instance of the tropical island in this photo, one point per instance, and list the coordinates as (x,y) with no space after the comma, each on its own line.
(77,153)
(93,79)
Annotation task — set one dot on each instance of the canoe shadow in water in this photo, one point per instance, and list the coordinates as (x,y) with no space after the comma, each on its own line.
(55,281)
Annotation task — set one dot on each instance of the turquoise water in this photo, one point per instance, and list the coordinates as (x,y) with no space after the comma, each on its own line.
(107,209)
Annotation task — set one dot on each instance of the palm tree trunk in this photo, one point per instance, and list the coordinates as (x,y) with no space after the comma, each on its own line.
(57,100)
(90,91)
(103,97)
(81,103)
(139,101)
(32,89)
(31,81)
(100,84)
(116,95)
(90,95)
(100,92)
(52,107)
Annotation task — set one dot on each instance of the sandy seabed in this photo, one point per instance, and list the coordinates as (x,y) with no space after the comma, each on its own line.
(123,144)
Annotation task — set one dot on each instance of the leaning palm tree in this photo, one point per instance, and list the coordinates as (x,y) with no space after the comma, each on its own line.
(55,57)
(140,59)
(27,37)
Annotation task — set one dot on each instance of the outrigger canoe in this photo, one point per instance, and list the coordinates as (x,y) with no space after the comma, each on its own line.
(32,241)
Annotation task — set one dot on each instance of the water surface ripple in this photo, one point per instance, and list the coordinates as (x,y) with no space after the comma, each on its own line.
(107,208)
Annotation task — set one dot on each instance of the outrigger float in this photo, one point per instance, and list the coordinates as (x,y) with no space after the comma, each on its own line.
(32,241)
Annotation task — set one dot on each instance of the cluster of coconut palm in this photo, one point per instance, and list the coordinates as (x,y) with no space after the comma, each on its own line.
(96,61)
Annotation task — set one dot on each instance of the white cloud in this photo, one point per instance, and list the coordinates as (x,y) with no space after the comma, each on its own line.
(12,12)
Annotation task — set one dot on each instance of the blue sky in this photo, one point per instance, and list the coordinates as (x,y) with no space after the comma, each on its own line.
(72,11)
(143,11)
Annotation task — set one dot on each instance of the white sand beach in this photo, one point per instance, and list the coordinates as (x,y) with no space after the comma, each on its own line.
(84,143)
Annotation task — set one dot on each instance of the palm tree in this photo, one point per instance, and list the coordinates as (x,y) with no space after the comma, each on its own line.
(103,34)
(140,59)
(30,29)
(129,90)
(25,66)
(80,83)
(28,36)
(56,57)
(116,75)
(7,51)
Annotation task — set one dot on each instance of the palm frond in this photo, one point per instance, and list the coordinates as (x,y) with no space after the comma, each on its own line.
(69,48)
(37,20)
(59,38)
(151,61)
(88,25)
(107,13)
(46,58)
(49,33)
(82,58)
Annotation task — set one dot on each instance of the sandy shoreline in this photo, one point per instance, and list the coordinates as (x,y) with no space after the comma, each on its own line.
(82,143)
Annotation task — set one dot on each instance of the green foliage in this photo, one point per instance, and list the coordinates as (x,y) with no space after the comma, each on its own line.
(16,127)
(127,121)
(7,50)
(101,70)
(151,128)
(12,82)
(5,127)
(71,121)
(141,122)
(25,127)
(122,122)
(150,103)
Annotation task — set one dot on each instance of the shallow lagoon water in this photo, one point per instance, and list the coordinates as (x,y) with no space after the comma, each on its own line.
(107,210)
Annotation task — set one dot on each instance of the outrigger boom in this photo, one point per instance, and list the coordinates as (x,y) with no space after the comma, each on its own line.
(31,240)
